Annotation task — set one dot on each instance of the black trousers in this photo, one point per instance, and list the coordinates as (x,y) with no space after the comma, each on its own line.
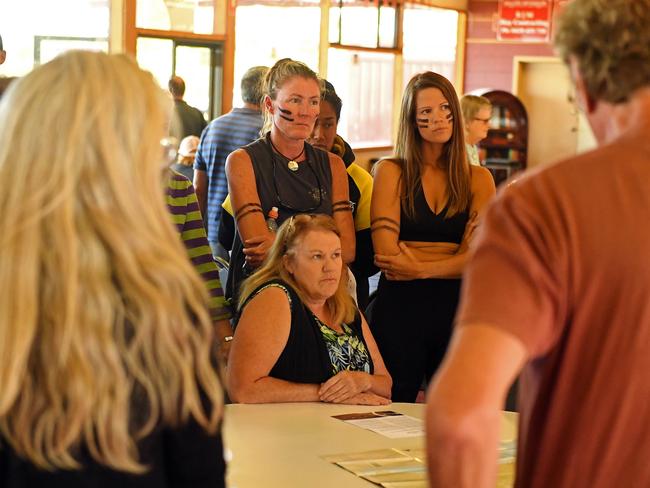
(412,323)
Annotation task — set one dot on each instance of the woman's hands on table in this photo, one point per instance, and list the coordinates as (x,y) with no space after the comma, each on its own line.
(350,387)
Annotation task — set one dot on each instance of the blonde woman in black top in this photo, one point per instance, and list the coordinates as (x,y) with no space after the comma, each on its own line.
(300,336)
(282,170)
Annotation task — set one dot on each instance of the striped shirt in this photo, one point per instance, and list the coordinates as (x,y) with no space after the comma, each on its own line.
(223,135)
(184,208)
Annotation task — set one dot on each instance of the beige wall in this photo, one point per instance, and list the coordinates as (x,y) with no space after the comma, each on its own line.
(556,129)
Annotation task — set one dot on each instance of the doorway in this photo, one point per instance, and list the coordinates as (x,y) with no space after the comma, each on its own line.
(557,129)
(199,63)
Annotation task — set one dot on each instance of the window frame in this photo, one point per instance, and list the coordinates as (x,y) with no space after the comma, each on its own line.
(398,86)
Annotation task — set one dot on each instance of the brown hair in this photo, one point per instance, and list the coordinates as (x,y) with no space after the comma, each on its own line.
(610,40)
(408,147)
(281,72)
(289,236)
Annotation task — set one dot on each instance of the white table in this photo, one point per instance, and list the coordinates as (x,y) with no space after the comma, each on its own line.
(280,445)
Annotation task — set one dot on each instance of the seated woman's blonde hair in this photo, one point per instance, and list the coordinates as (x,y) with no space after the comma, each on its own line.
(104,329)
(289,236)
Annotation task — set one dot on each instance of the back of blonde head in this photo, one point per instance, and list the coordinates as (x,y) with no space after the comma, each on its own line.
(99,302)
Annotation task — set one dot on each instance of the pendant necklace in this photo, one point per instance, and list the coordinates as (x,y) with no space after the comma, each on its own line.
(292,164)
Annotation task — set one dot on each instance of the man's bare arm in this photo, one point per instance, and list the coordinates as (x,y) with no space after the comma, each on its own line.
(464,406)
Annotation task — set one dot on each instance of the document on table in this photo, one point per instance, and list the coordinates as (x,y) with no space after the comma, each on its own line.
(386,422)
(390,468)
(406,468)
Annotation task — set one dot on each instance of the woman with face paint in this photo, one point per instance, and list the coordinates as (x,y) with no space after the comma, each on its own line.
(325,137)
(282,170)
(425,205)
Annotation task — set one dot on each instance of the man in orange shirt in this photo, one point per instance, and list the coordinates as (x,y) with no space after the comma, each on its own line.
(559,289)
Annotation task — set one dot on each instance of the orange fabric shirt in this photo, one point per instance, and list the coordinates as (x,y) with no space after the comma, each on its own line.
(563,264)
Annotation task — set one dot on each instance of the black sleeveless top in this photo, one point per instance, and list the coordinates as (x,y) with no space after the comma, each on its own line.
(307,190)
(305,357)
(428,226)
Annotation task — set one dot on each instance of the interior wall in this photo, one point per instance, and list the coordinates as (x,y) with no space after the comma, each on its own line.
(488,62)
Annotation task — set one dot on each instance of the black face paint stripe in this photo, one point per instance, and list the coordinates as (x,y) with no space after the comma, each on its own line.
(284,113)
(450,116)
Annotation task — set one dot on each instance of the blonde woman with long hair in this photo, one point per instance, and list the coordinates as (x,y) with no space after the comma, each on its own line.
(105,367)
(424,207)
(300,336)
(282,170)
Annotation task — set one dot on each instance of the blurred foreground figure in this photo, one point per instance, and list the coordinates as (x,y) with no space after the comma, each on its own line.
(559,286)
(105,367)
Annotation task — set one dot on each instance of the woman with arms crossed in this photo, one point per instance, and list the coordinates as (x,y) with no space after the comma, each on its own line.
(281,170)
(424,208)
(300,337)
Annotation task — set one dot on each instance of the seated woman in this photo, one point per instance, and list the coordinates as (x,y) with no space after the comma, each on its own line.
(300,337)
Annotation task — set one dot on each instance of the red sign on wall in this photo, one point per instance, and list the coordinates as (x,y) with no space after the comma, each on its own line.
(524,20)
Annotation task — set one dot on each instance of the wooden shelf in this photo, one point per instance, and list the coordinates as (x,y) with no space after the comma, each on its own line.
(505,149)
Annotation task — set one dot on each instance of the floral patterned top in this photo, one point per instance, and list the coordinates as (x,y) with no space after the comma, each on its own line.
(314,352)
(347,351)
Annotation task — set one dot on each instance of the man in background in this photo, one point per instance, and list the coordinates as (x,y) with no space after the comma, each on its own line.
(559,287)
(224,134)
(191,119)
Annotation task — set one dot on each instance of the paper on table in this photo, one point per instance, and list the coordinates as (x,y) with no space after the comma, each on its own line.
(405,468)
(386,467)
(406,484)
(386,422)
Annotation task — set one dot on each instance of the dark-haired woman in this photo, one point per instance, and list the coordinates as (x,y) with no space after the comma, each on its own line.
(425,204)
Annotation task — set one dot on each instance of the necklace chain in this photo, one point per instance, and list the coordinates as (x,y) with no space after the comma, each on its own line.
(290,159)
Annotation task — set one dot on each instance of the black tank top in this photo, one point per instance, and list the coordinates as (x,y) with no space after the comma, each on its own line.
(307,190)
(428,226)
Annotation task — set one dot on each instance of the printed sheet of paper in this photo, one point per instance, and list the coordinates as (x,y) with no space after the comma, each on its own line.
(391,468)
(406,468)
(386,422)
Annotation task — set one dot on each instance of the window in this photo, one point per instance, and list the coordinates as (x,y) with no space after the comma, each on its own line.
(29,44)
(362,24)
(364,81)
(429,41)
(156,55)
(196,16)
(267,33)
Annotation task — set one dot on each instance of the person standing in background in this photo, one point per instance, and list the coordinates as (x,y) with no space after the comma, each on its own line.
(558,288)
(282,170)
(224,134)
(425,204)
(185,158)
(477,112)
(324,137)
(190,120)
